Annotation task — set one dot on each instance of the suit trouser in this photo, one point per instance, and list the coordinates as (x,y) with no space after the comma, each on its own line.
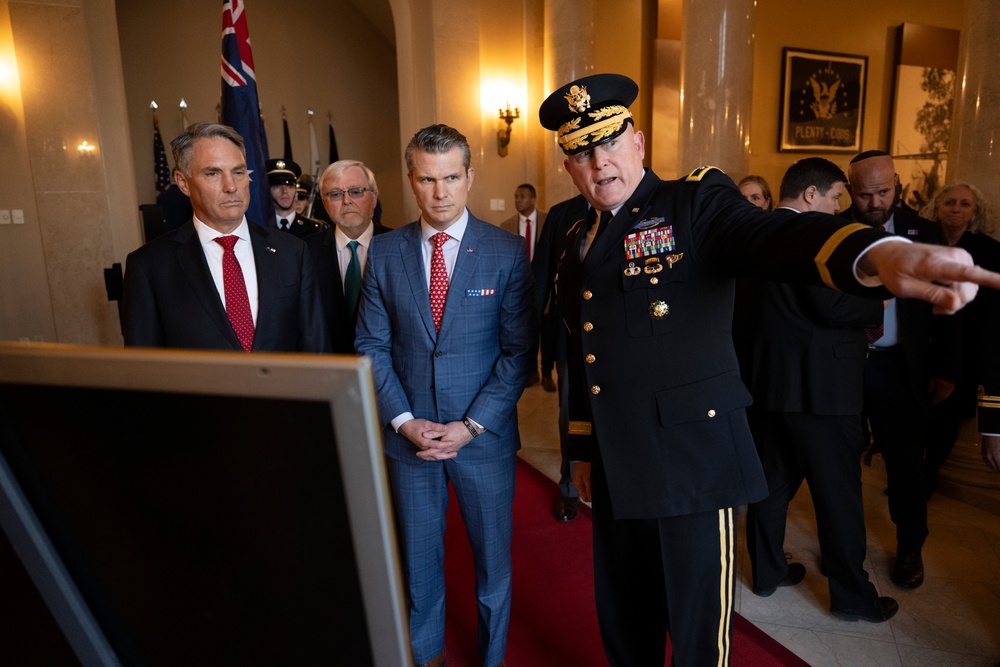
(671,575)
(825,451)
(899,429)
(485,492)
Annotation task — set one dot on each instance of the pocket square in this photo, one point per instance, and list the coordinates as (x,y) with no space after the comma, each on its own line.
(480,292)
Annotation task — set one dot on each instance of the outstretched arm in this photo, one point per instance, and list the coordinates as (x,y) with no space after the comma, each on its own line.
(943,276)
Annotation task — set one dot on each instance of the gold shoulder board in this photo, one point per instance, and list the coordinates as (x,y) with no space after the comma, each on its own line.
(700,172)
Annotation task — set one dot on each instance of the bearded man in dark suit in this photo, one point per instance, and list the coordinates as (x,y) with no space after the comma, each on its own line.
(177,291)
(913,360)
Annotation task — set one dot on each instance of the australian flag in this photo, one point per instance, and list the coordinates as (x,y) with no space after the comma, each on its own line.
(240,106)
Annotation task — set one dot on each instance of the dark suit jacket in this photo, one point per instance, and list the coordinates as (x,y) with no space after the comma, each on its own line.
(340,324)
(551,242)
(478,363)
(170,300)
(930,342)
(802,348)
(655,390)
(510,225)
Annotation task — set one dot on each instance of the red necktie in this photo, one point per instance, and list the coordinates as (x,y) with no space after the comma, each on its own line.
(237,301)
(527,235)
(439,279)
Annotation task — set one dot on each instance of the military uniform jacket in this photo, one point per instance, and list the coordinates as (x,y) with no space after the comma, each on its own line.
(655,389)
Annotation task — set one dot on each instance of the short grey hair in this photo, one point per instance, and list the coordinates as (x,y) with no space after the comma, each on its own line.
(339,167)
(438,139)
(183,144)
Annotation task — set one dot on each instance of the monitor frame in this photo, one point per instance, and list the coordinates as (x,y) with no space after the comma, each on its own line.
(344,382)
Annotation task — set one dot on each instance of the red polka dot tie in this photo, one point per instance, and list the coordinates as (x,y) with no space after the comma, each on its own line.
(237,301)
(439,279)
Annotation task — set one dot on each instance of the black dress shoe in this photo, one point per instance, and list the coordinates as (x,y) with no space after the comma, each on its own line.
(566,509)
(532,381)
(882,610)
(796,573)
(909,570)
(547,383)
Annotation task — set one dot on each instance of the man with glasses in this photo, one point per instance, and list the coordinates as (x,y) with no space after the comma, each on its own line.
(340,252)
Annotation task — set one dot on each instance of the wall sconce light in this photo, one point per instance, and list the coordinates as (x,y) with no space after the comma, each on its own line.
(503,134)
(86,149)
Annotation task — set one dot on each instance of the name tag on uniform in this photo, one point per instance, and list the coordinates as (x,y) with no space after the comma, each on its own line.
(648,242)
(480,292)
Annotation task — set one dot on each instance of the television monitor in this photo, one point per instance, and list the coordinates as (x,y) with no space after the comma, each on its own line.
(202,508)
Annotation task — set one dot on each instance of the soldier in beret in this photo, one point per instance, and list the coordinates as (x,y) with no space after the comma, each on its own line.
(657,423)
(283,176)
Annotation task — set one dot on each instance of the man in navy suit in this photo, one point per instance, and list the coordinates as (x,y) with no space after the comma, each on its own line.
(802,352)
(340,252)
(447,384)
(175,292)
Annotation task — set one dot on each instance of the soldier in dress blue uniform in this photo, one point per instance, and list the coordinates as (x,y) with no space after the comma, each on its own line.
(657,423)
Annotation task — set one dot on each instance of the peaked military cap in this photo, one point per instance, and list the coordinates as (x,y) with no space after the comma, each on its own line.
(281,171)
(304,185)
(589,111)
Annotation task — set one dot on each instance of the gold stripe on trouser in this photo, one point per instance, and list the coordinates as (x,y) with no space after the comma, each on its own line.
(728,571)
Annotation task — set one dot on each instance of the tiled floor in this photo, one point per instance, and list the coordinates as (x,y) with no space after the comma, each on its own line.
(953,619)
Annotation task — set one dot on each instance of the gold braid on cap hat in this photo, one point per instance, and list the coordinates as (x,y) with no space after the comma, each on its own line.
(570,137)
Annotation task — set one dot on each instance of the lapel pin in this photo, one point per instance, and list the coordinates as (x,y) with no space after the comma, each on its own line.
(270,249)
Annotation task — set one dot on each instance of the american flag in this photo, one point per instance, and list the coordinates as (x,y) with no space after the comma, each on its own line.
(160,165)
(240,105)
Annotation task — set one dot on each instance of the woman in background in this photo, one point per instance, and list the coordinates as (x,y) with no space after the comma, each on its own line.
(757,192)
(966,221)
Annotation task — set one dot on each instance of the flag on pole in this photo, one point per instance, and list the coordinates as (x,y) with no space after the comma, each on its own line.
(334,155)
(313,146)
(263,134)
(288,139)
(184,117)
(240,106)
(160,166)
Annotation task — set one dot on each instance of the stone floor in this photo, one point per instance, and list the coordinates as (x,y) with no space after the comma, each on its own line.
(953,619)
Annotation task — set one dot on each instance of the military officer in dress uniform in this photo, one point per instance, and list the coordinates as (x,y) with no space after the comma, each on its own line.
(283,176)
(657,423)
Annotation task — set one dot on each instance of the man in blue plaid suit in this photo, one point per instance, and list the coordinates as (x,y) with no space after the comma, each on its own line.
(447,384)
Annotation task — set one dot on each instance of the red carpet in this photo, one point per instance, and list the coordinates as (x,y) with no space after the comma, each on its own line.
(553,618)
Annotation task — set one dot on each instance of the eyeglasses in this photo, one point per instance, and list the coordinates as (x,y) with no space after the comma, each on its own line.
(337,195)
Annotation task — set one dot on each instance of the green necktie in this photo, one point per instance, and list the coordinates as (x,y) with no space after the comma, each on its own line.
(352,280)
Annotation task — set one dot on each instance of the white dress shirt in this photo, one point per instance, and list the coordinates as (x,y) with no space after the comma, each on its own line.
(244,255)
(522,229)
(344,253)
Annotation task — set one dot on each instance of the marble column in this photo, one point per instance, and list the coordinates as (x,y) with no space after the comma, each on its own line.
(569,54)
(716,85)
(973,154)
(974,157)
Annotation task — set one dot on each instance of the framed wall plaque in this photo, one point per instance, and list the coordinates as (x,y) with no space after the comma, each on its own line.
(822,101)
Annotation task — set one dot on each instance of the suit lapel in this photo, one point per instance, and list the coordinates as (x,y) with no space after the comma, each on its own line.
(412,261)
(267,262)
(465,268)
(191,258)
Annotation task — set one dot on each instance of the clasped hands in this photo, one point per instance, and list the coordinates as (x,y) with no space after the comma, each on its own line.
(436,442)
